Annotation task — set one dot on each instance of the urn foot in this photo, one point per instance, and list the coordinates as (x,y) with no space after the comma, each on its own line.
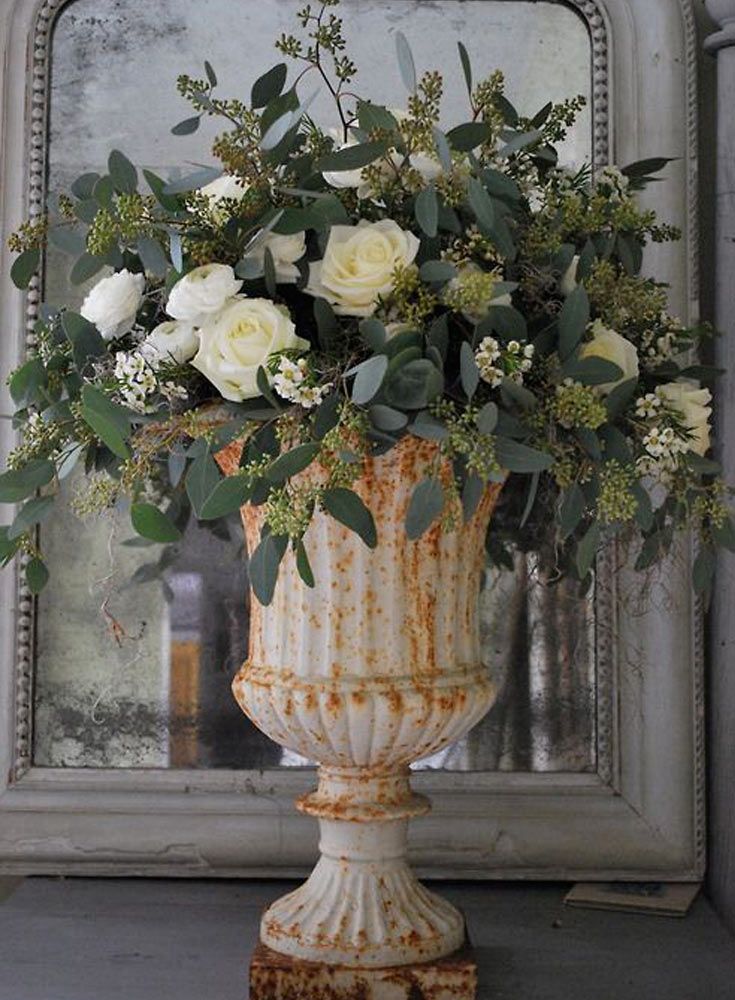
(362,907)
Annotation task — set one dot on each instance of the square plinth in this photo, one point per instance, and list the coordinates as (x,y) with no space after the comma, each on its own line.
(279,977)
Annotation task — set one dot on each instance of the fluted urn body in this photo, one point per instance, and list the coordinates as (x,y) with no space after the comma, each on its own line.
(376,666)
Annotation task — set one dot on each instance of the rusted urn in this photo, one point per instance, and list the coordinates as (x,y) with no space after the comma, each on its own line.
(375,667)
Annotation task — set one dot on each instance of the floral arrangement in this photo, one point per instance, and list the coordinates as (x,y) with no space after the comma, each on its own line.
(321,294)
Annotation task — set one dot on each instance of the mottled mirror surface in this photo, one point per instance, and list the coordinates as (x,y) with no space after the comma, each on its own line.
(129,677)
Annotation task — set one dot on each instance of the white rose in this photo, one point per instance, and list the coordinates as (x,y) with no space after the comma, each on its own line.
(113,303)
(286,250)
(171,341)
(569,279)
(692,402)
(358,265)
(238,340)
(202,292)
(609,345)
(225,187)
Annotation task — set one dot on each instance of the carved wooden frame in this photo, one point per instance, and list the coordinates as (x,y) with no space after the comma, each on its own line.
(641,815)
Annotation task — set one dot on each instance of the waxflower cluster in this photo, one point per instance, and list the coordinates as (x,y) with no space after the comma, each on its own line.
(329,289)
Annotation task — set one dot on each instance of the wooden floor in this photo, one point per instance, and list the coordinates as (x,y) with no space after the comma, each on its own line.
(124,939)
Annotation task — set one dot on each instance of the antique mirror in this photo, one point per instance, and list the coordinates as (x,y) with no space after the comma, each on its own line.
(120,722)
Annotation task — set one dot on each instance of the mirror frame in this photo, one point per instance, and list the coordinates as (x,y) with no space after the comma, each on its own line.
(641,815)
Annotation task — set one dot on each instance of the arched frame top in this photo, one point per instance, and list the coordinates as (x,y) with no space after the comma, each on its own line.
(641,815)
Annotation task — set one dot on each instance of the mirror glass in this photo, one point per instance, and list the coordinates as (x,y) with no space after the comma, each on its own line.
(137,676)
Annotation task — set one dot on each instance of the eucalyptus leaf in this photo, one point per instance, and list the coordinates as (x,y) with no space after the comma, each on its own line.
(572,510)
(472,491)
(517,457)
(201,480)
(193,181)
(468,136)
(373,332)
(31,514)
(18,484)
(385,418)
(83,186)
(426,209)
(468,371)
(481,205)
(426,426)
(466,67)
(24,267)
(152,523)
(69,239)
(85,267)
(443,152)
(520,141)
(406,64)
(487,418)
(573,320)
(268,86)
(84,338)
(345,506)
(424,507)
(123,174)
(592,370)
(108,420)
(351,157)
(152,255)
(369,378)
(227,497)
(36,574)
(587,550)
(414,385)
(264,564)
(303,565)
(327,324)
(291,462)
(187,126)
(437,271)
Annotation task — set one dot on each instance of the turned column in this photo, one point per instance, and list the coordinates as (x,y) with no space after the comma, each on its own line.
(722,675)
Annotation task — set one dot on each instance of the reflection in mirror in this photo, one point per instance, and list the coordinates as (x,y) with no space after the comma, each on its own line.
(135,676)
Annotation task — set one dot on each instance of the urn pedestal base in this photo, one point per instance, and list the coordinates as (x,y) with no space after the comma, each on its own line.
(274,976)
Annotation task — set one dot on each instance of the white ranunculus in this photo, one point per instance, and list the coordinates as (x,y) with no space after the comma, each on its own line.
(286,251)
(239,339)
(202,292)
(113,303)
(609,345)
(358,265)
(225,187)
(569,279)
(173,340)
(693,403)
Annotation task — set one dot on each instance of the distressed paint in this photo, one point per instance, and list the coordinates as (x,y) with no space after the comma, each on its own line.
(376,666)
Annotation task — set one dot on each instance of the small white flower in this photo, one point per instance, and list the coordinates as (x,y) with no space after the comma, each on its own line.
(514,347)
(113,303)
(528,351)
(647,406)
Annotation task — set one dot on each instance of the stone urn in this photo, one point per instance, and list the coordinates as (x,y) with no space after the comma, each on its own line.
(378,665)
